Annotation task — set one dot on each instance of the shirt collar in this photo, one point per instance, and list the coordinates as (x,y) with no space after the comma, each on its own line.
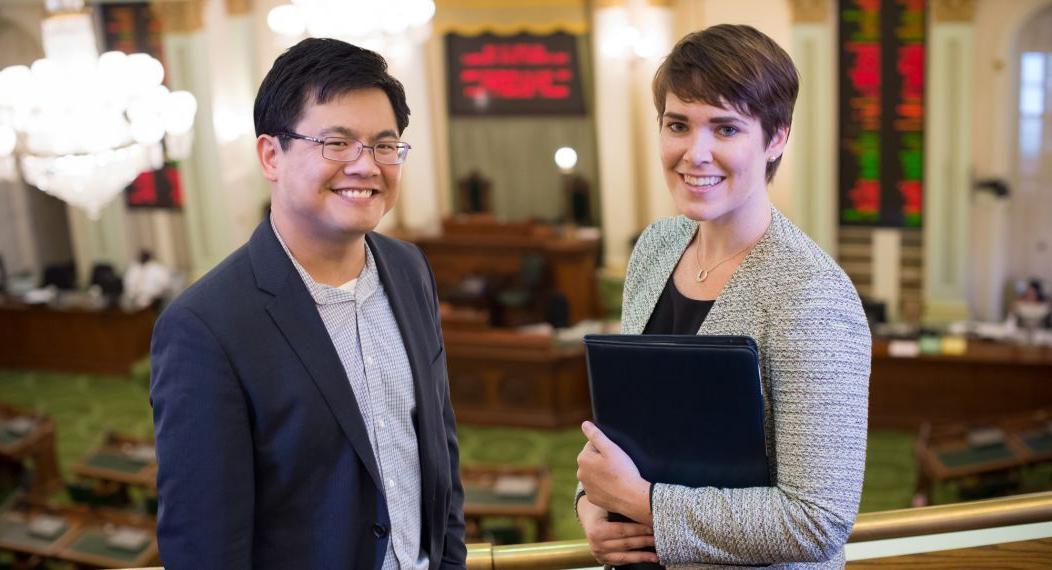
(323,294)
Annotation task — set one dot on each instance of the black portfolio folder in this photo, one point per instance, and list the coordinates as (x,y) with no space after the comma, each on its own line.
(687,409)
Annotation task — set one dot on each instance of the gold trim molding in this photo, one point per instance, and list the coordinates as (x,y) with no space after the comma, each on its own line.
(180,16)
(809,11)
(946,11)
(496,4)
(623,3)
(238,7)
(574,28)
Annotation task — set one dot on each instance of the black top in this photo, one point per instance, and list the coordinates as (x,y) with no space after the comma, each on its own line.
(676,313)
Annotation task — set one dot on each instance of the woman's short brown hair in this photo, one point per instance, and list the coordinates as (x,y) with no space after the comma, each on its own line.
(732,65)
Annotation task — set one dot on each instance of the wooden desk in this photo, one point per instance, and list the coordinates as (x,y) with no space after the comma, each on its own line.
(116,460)
(944,454)
(89,545)
(482,497)
(36,445)
(83,541)
(73,340)
(571,263)
(15,536)
(991,379)
(499,377)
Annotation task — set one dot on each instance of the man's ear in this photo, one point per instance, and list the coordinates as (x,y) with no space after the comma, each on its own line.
(777,145)
(268,150)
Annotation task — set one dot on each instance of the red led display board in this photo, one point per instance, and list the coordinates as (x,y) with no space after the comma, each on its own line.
(881,95)
(523,74)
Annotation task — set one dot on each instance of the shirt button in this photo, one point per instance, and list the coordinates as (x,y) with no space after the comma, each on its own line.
(382,424)
(369,360)
(390,483)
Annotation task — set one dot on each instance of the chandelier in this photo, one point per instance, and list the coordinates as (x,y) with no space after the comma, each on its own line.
(368,22)
(82,126)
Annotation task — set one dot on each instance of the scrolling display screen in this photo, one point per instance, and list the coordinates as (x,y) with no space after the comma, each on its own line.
(522,74)
(881,97)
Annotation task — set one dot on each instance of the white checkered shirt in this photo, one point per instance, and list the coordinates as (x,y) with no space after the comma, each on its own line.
(364,331)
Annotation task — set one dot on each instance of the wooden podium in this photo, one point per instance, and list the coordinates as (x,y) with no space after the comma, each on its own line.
(501,377)
(479,245)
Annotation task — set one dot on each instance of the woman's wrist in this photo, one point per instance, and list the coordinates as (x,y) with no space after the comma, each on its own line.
(636,503)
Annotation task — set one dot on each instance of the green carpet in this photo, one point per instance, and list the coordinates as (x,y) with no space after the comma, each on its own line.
(86,406)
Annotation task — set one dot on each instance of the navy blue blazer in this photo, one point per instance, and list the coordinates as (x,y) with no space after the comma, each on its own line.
(264,459)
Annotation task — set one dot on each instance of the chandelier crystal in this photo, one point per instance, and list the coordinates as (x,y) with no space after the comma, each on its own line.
(83,126)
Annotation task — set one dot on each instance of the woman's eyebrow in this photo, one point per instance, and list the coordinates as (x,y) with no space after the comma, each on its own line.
(727,120)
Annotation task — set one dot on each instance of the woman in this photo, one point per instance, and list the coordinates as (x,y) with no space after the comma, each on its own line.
(731,264)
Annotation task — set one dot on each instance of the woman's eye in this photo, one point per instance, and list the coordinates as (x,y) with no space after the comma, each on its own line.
(727,131)
(676,126)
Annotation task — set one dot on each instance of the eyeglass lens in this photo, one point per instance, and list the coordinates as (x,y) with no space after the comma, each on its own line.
(346,150)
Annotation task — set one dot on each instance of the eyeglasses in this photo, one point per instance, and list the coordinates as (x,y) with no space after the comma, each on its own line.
(348,150)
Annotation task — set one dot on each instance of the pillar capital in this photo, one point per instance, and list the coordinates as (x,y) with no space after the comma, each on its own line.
(949,11)
(809,11)
(238,7)
(179,16)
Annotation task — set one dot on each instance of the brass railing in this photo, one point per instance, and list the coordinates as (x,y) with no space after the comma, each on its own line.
(990,513)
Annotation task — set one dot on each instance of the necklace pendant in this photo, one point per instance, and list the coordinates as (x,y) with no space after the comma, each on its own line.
(702,275)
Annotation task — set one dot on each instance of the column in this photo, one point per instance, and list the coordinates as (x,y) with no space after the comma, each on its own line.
(629,41)
(812,140)
(418,210)
(188,58)
(947,161)
(620,201)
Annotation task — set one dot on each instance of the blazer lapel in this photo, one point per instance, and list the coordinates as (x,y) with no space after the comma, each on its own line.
(295,314)
(649,280)
(410,303)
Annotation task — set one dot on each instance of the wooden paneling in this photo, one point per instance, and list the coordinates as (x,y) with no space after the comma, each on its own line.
(991,379)
(73,340)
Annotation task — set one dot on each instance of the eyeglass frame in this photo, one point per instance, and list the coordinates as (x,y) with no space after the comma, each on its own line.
(361,148)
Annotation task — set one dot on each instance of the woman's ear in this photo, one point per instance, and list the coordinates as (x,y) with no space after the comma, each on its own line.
(776,147)
(268,150)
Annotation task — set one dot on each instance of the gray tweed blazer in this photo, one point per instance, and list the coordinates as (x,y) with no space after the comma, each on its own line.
(814,346)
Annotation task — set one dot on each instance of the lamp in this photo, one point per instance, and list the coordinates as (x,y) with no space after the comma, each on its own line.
(83,126)
(565,159)
(361,21)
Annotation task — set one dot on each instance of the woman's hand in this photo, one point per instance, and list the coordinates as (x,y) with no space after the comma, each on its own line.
(614,542)
(610,478)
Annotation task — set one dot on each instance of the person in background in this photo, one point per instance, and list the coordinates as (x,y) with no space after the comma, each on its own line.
(299,389)
(732,264)
(146,281)
(1032,308)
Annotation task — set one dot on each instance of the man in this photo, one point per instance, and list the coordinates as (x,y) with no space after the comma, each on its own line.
(299,389)
(146,281)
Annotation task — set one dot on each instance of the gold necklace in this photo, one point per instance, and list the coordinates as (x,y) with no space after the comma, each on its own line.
(703,273)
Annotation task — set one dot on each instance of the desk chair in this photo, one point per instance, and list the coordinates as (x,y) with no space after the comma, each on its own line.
(520,303)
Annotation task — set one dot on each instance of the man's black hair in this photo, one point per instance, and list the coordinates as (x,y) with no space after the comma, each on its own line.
(315,71)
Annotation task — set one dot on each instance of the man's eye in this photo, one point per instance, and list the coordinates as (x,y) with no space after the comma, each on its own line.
(386,147)
(336,143)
